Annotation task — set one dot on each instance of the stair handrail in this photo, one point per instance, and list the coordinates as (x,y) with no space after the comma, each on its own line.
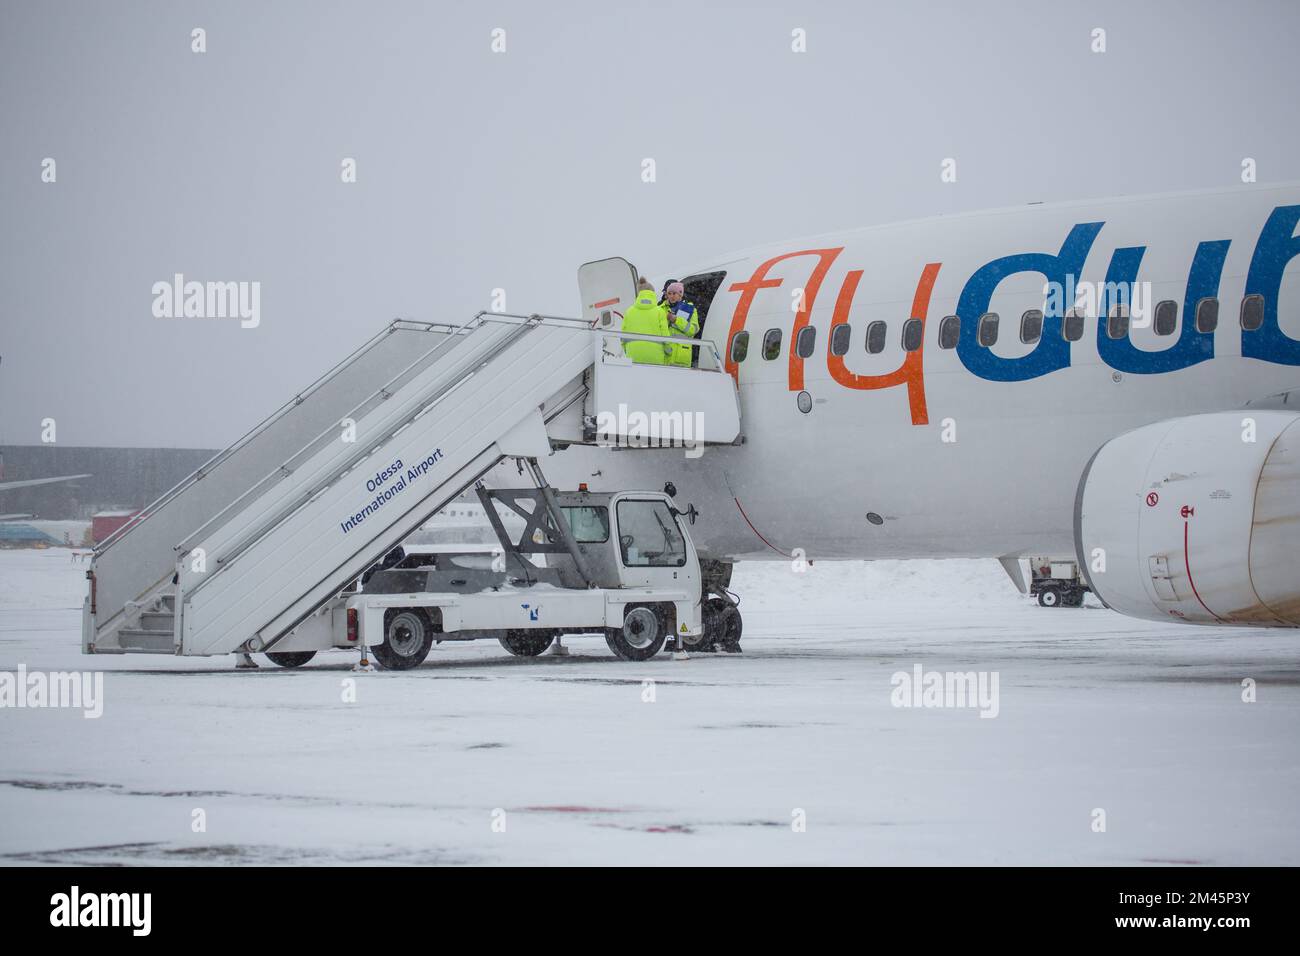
(256,430)
(522,321)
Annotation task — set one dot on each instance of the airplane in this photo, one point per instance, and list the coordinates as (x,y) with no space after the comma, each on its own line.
(28,483)
(1115,379)
(32,482)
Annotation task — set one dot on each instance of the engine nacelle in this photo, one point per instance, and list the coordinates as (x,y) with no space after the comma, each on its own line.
(1196,519)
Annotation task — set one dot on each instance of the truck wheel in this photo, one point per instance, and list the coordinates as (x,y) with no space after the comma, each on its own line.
(722,627)
(729,627)
(1049,596)
(407,639)
(712,626)
(527,643)
(1072,598)
(641,636)
(290,658)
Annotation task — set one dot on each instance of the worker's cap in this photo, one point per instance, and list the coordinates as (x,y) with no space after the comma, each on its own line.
(675,287)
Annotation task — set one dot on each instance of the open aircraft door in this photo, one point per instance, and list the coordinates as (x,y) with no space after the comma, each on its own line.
(608,288)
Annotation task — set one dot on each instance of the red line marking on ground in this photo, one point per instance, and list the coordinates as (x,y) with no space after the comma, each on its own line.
(567,809)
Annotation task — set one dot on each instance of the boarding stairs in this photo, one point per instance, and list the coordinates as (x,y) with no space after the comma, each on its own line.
(258,539)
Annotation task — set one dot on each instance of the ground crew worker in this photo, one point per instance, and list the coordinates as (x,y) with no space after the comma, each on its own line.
(646,317)
(683,321)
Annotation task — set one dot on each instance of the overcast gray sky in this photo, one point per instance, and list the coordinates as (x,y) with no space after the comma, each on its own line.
(478,170)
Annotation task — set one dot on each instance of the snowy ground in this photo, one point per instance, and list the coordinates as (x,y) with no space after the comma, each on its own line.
(1096,711)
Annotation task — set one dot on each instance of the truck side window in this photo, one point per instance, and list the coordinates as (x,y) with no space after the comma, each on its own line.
(648,535)
(588,524)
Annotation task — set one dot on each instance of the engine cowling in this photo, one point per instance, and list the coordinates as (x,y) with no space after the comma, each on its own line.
(1196,519)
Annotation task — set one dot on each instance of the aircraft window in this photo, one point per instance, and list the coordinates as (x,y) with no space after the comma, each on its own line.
(1207,315)
(648,535)
(771,344)
(913,329)
(949,332)
(987,331)
(739,346)
(840,336)
(1117,321)
(1072,328)
(1252,312)
(1166,317)
(806,341)
(1031,326)
(588,524)
(875,338)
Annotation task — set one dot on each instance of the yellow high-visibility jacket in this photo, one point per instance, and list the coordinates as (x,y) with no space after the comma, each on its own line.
(686,328)
(646,317)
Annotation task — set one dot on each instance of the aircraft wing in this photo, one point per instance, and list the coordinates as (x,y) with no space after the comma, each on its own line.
(30,482)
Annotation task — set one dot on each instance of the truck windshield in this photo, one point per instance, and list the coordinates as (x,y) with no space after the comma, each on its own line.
(648,535)
(588,524)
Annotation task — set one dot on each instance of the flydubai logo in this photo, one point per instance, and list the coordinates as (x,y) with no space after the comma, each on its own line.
(1115,305)
(75,908)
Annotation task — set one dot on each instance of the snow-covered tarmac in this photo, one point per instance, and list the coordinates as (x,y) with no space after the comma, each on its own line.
(478,757)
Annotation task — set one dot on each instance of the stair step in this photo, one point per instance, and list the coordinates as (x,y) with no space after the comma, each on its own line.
(140,639)
(158,621)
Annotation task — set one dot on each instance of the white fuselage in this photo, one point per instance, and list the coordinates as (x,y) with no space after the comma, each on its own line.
(974,450)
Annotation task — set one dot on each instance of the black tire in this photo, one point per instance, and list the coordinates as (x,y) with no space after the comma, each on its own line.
(527,643)
(729,630)
(714,617)
(290,658)
(1049,596)
(1073,598)
(408,636)
(642,635)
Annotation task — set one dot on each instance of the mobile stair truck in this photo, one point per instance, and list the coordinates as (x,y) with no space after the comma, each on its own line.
(260,550)
(618,564)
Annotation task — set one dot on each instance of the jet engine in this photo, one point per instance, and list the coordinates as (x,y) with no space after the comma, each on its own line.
(1196,519)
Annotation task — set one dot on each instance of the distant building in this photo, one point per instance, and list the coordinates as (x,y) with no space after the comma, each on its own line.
(18,534)
(104,523)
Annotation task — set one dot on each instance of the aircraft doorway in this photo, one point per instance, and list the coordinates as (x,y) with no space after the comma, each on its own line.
(701,289)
